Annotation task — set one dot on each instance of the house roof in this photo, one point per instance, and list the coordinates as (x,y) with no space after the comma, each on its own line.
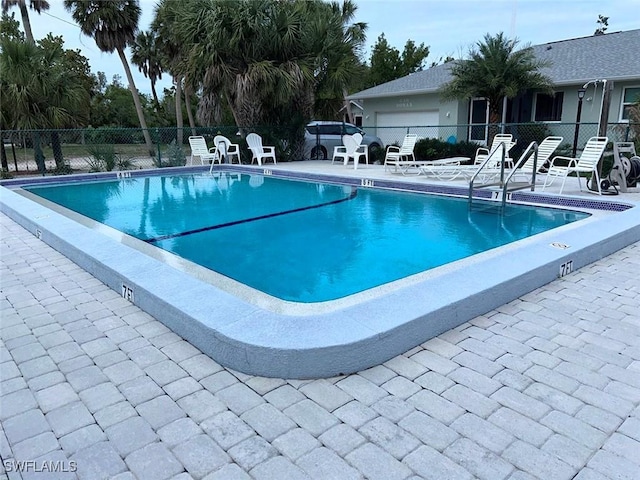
(613,56)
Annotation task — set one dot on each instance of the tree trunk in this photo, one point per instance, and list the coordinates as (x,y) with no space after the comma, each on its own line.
(347,105)
(179,120)
(187,102)
(3,155)
(155,95)
(137,103)
(494,120)
(24,12)
(38,153)
(57,152)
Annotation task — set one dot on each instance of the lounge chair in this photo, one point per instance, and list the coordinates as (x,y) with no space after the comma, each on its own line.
(351,148)
(260,152)
(446,168)
(545,150)
(587,163)
(226,149)
(199,149)
(483,153)
(402,157)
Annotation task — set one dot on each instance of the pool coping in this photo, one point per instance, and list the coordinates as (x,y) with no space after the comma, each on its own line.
(257,341)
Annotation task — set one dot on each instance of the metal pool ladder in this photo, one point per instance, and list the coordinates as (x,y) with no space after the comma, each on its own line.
(505,184)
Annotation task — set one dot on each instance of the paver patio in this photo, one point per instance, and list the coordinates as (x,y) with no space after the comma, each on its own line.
(547,386)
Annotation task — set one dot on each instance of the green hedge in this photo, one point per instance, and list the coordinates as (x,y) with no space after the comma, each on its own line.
(433,149)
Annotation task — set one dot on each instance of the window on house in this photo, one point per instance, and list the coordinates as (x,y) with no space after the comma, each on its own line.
(549,107)
(629,98)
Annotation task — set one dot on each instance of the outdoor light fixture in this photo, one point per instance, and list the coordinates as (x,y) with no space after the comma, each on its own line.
(581,93)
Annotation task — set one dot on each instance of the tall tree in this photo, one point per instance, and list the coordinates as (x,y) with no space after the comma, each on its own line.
(9,30)
(603,25)
(41,88)
(495,70)
(144,54)
(338,61)
(36,5)
(387,63)
(172,53)
(10,27)
(266,58)
(113,25)
(112,106)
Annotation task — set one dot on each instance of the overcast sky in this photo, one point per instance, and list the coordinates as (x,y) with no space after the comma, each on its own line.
(448,27)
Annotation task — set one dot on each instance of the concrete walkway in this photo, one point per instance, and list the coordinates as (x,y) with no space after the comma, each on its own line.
(546,387)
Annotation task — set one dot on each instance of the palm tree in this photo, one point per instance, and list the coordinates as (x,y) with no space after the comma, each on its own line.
(113,25)
(39,91)
(171,53)
(144,54)
(265,60)
(338,63)
(266,57)
(496,70)
(35,5)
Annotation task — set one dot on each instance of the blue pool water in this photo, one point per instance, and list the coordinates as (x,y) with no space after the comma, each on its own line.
(300,241)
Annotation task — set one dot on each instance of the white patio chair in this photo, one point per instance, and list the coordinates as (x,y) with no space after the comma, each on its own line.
(545,150)
(199,149)
(340,151)
(351,148)
(587,163)
(260,152)
(225,149)
(401,157)
(482,153)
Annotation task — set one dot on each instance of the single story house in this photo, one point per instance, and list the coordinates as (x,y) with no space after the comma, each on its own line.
(594,63)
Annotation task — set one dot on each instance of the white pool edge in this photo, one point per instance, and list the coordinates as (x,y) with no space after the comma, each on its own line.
(258,341)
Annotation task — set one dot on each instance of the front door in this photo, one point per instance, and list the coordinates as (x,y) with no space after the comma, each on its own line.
(479,120)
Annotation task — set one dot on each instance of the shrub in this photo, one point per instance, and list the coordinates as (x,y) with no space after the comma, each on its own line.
(527,133)
(175,156)
(124,163)
(376,155)
(102,157)
(433,149)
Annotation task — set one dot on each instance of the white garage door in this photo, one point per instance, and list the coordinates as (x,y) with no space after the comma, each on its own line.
(392,127)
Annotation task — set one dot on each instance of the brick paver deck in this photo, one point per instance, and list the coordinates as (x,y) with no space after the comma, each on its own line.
(547,386)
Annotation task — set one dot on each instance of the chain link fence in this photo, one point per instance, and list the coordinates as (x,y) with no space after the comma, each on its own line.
(524,133)
(110,149)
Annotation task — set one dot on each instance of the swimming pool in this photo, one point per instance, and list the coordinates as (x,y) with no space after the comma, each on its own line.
(296,240)
(255,333)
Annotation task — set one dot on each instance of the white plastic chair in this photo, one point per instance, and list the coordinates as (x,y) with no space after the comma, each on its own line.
(260,152)
(482,153)
(401,156)
(351,148)
(225,149)
(587,163)
(199,149)
(340,151)
(545,150)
